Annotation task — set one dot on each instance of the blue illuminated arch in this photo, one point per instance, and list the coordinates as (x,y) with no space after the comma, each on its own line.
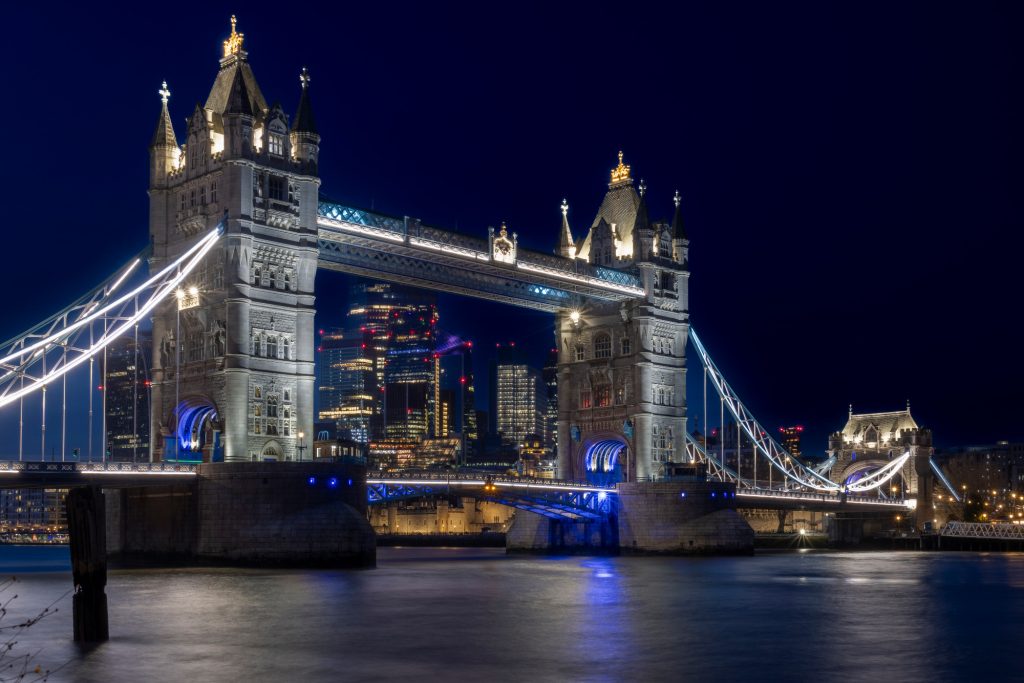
(603,461)
(193,415)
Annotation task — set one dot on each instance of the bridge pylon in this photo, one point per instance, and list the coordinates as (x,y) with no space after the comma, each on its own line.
(233,353)
(621,365)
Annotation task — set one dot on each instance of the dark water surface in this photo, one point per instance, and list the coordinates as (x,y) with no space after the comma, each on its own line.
(477,615)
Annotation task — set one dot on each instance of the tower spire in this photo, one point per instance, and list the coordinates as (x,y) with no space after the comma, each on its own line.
(164,134)
(566,247)
(304,122)
(233,45)
(678,229)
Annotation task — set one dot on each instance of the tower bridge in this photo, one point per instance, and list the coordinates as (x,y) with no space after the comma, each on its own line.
(237,233)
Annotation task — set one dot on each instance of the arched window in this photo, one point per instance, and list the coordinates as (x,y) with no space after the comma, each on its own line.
(602,346)
(287,348)
(661,397)
(271,346)
(254,349)
(257,273)
(287,280)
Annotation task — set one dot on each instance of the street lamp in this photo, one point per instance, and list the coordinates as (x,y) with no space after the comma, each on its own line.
(302,446)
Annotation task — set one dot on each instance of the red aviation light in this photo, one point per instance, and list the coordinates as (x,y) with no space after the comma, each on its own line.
(462,380)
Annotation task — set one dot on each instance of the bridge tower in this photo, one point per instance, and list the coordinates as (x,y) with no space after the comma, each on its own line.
(621,366)
(869,441)
(233,356)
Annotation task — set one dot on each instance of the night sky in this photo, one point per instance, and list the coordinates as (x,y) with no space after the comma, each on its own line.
(851,174)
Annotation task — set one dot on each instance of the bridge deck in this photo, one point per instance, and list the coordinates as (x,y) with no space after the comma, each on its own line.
(54,475)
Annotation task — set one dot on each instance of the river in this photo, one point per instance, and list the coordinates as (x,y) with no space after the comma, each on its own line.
(479,615)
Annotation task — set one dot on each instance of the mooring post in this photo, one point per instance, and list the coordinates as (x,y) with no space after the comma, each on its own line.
(87,530)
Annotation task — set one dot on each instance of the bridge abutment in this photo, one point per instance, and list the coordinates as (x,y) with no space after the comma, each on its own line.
(308,514)
(682,518)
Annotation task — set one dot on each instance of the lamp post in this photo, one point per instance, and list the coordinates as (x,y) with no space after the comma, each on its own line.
(302,446)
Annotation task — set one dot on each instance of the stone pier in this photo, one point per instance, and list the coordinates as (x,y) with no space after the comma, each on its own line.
(301,514)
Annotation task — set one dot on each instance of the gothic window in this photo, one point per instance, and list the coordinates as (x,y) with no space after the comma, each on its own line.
(661,397)
(257,270)
(278,278)
(257,392)
(257,183)
(277,187)
(181,198)
(256,425)
(195,346)
(202,195)
(293,192)
(287,395)
(602,396)
(602,346)
(271,346)
(213,192)
(275,144)
(286,348)
(288,279)
(192,198)
(626,346)
(668,346)
(265,278)
(585,398)
(657,344)
(579,352)
(257,346)
(257,410)
(272,407)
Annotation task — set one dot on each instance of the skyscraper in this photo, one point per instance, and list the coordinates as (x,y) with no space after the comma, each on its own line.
(126,398)
(516,396)
(791,439)
(346,384)
(550,377)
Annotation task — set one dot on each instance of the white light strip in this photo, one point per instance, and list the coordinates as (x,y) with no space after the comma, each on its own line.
(592,281)
(363,230)
(202,244)
(832,499)
(168,287)
(883,475)
(481,482)
(136,474)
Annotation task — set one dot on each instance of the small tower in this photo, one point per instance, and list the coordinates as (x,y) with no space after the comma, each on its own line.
(304,136)
(163,150)
(566,247)
(680,243)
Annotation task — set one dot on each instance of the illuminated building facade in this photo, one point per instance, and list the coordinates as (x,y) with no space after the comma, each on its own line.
(126,398)
(550,377)
(411,369)
(346,384)
(790,439)
(233,371)
(517,402)
(625,362)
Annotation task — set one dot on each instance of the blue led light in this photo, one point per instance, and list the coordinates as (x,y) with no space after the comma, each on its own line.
(712,494)
(682,494)
(333,482)
(311,481)
(349,482)
(601,495)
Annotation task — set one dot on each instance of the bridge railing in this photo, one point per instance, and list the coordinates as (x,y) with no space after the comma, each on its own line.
(412,475)
(818,497)
(1014,532)
(12,466)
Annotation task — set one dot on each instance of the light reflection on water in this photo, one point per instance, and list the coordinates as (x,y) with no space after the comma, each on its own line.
(478,614)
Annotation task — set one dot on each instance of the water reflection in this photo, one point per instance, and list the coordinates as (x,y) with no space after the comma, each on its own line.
(481,614)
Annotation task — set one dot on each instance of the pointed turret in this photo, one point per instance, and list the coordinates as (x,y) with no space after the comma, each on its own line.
(678,229)
(566,247)
(305,139)
(643,233)
(304,122)
(163,149)
(238,101)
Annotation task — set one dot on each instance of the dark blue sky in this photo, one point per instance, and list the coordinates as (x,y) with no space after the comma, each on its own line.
(850,173)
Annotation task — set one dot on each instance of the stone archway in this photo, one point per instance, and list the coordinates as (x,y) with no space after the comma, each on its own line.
(197,430)
(602,459)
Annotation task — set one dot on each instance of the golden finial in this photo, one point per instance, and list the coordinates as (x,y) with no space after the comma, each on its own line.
(233,45)
(504,230)
(621,172)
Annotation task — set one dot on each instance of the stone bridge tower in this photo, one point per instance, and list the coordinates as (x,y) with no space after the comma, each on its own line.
(621,366)
(233,356)
(868,441)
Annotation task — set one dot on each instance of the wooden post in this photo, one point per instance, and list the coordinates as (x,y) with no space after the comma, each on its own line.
(87,530)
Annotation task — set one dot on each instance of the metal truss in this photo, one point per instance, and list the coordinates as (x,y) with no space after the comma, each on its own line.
(880,476)
(147,468)
(777,456)
(76,334)
(1009,532)
(556,500)
(405,250)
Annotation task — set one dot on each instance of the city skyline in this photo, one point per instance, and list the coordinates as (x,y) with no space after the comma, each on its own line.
(886,206)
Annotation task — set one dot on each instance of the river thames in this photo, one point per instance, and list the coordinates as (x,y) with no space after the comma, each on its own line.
(479,615)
